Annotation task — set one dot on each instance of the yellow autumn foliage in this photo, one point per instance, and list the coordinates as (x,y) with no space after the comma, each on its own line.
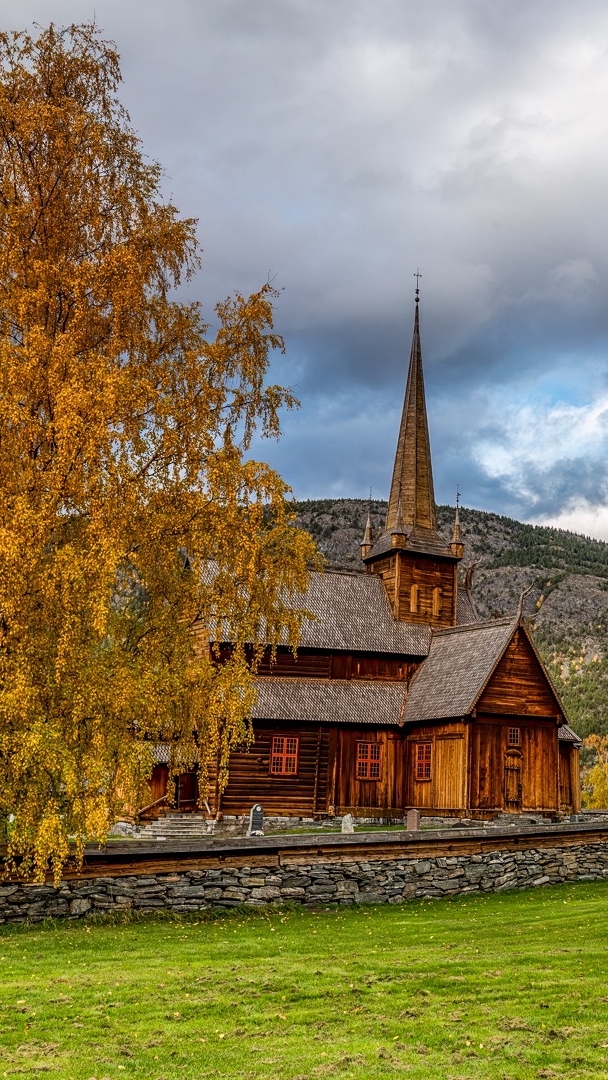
(130,513)
(594,788)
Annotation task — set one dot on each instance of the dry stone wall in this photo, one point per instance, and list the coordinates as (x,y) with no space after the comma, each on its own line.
(391,881)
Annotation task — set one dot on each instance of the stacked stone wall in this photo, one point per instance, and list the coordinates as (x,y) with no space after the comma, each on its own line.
(343,881)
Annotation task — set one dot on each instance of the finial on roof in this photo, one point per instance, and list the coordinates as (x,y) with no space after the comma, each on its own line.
(367,542)
(417,275)
(520,606)
(456,543)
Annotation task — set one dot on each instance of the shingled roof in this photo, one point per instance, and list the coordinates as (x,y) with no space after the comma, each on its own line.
(335,701)
(566,734)
(352,611)
(465,609)
(458,665)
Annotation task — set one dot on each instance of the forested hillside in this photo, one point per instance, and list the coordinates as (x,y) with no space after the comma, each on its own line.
(567,607)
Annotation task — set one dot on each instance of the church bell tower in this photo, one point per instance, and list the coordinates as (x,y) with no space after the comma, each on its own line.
(418,568)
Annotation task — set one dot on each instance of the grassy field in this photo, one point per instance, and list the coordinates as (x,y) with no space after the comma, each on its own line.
(499,987)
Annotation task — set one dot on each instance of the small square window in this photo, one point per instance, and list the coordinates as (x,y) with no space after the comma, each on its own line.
(423,760)
(368,761)
(514,737)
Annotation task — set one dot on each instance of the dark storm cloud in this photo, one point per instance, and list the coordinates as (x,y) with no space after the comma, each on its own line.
(337,145)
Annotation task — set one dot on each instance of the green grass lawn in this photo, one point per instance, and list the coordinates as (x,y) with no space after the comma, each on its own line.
(492,987)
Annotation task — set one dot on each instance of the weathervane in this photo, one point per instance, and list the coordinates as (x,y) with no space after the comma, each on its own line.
(417,275)
(457,497)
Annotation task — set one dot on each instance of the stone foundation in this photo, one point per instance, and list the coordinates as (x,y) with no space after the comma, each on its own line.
(339,880)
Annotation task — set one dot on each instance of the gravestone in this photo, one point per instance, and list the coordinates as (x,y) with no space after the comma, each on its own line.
(256,821)
(347,824)
(413,820)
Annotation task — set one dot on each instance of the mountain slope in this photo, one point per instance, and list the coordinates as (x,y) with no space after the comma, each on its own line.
(567,606)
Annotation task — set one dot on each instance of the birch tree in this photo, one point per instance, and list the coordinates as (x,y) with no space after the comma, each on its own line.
(130,511)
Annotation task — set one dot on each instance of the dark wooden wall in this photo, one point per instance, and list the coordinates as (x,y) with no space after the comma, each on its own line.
(519,685)
(569,778)
(446,790)
(349,795)
(508,778)
(250,780)
(401,570)
(327,664)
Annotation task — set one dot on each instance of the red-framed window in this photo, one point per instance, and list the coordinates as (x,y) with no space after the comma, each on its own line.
(514,736)
(284,754)
(423,760)
(368,760)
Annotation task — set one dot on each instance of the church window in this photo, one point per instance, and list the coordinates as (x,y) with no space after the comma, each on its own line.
(368,761)
(284,755)
(514,737)
(436,601)
(414,594)
(423,760)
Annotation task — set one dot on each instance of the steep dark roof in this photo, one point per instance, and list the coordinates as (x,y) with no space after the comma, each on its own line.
(336,701)
(351,611)
(566,734)
(459,663)
(465,609)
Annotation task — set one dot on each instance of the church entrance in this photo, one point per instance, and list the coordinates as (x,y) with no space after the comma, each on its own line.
(512,784)
(186,792)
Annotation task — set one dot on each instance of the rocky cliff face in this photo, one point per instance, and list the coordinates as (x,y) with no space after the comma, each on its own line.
(567,605)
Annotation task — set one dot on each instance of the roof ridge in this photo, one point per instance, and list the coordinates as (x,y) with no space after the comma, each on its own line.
(327,680)
(339,571)
(485,624)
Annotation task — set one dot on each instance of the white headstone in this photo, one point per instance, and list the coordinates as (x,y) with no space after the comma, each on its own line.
(347,824)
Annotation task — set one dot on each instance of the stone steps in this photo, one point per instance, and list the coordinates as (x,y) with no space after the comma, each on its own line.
(176,826)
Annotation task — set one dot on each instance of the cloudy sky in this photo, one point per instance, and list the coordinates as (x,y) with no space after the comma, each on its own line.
(336,145)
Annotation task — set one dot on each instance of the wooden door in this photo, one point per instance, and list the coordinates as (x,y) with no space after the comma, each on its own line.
(186,792)
(513,788)
(449,774)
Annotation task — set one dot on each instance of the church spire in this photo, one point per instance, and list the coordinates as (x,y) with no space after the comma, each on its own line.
(367,542)
(417,565)
(456,544)
(412,483)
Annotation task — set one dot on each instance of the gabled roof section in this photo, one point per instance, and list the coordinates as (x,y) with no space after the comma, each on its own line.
(459,664)
(352,612)
(329,701)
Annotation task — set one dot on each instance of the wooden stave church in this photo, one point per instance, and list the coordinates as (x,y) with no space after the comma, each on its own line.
(398,697)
